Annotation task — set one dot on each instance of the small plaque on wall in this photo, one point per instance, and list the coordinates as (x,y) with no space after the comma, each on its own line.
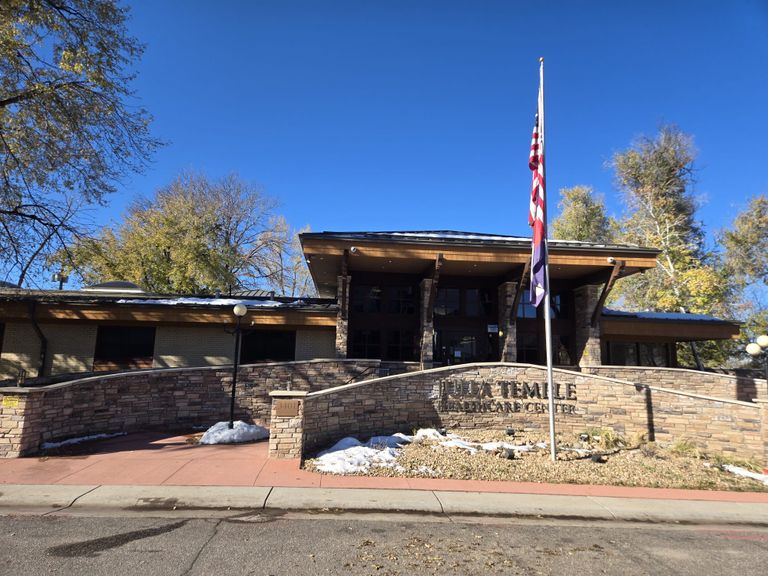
(286,408)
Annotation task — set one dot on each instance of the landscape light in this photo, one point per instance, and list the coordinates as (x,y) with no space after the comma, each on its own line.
(239,310)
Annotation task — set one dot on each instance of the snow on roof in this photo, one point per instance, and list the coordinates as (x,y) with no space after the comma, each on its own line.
(662,315)
(211,302)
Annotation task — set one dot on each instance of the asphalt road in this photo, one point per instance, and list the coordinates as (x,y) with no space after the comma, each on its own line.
(303,545)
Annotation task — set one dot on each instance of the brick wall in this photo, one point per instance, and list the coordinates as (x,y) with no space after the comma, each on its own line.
(70,349)
(499,396)
(165,399)
(745,388)
(312,344)
(183,346)
(21,349)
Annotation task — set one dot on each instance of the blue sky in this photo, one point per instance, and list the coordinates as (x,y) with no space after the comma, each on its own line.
(407,114)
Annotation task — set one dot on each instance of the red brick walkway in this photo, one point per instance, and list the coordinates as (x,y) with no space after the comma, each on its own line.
(156,459)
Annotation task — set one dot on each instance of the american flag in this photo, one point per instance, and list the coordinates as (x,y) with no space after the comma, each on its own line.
(536,216)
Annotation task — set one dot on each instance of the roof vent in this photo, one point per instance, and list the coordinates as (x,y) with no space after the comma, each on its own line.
(114,286)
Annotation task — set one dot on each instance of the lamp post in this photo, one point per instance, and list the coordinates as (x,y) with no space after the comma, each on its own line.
(758,347)
(239,311)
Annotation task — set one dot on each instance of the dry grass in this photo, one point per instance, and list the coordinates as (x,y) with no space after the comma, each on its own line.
(625,463)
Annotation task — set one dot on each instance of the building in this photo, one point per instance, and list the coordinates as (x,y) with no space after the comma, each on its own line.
(428,298)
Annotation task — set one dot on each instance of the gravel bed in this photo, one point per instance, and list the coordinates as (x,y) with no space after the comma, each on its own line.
(648,465)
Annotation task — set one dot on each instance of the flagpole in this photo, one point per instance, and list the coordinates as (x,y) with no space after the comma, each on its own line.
(547,303)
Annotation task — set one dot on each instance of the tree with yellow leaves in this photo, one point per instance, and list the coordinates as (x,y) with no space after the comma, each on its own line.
(67,133)
(655,176)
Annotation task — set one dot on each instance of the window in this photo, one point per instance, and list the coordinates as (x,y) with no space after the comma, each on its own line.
(528,348)
(366,299)
(401,299)
(622,353)
(638,354)
(473,304)
(267,346)
(448,302)
(524,308)
(454,347)
(124,347)
(653,355)
(366,344)
(400,345)
(558,308)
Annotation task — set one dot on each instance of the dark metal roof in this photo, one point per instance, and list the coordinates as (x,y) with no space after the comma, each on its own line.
(143,299)
(114,285)
(469,238)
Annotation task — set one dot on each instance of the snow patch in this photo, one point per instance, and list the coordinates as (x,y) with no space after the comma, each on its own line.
(746,473)
(68,441)
(220,433)
(350,456)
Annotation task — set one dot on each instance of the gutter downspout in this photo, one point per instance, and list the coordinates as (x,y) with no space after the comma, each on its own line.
(41,337)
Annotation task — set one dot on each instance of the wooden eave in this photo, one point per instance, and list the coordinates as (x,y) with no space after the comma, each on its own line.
(324,256)
(667,330)
(160,314)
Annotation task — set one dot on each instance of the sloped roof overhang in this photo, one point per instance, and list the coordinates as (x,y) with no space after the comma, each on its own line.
(73,306)
(464,254)
(666,328)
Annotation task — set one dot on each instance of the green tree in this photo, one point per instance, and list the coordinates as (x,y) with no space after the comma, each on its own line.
(746,244)
(195,236)
(745,257)
(582,217)
(656,177)
(68,128)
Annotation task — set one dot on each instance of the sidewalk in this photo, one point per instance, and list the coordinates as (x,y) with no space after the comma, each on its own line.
(145,472)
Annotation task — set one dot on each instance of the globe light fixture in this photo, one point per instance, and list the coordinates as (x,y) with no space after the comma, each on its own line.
(758,347)
(239,310)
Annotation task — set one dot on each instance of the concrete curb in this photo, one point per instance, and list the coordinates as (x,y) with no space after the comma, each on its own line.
(146,499)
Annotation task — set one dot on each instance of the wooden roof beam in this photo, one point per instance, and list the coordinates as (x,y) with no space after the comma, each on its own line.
(435,274)
(618,266)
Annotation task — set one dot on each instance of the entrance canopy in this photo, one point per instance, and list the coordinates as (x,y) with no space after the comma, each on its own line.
(330,254)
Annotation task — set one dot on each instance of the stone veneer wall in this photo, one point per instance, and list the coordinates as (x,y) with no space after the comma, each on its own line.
(728,386)
(509,395)
(168,399)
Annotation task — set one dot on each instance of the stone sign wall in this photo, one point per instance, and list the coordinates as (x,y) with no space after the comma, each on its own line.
(500,396)
(733,387)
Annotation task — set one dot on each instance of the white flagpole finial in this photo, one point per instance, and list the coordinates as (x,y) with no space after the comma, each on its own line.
(541,58)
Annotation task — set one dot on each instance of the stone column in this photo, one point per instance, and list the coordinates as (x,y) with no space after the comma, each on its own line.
(508,342)
(20,421)
(764,428)
(342,317)
(587,337)
(286,425)
(426,322)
